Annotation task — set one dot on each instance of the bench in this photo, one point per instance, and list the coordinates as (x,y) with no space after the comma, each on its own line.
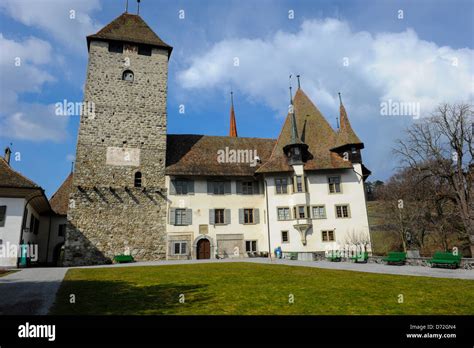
(333,256)
(293,256)
(444,258)
(123,258)
(395,257)
(360,257)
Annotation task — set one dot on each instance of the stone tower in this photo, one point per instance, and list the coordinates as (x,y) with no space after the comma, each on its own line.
(118,200)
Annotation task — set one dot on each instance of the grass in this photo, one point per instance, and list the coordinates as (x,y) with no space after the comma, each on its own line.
(251,289)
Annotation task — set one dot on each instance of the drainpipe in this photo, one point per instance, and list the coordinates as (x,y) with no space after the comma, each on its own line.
(268,219)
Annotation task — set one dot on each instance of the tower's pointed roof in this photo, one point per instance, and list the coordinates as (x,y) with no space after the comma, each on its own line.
(233,124)
(314,130)
(130,28)
(345,135)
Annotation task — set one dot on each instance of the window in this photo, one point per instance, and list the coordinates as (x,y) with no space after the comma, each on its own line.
(144,50)
(218,187)
(285,237)
(116,47)
(181,187)
(180,217)
(247,188)
(299,184)
(301,212)
(342,211)
(128,75)
(180,248)
(250,246)
(281,185)
(62,230)
(328,236)
(283,213)
(3,215)
(138,179)
(248,216)
(219,216)
(334,184)
(319,212)
(34,224)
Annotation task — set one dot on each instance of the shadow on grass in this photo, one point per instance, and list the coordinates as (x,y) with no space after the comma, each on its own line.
(122,298)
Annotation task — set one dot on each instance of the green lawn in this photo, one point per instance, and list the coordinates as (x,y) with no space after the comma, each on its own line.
(242,288)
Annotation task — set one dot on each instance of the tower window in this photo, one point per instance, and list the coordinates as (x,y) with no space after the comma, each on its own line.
(127,75)
(138,179)
(116,47)
(144,50)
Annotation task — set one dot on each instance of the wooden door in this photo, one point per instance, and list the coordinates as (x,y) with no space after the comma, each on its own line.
(204,249)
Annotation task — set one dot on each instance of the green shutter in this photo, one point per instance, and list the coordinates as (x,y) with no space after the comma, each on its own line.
(172,187)
(241,216)
(256,216)
(256,188)
(238,187)
(211,217)
(191,187)
(227,187)
(3,215)
(210,190)
(172,216)
(226,216)
(189,216)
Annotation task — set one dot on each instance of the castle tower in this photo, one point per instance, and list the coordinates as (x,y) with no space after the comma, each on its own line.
(118,200)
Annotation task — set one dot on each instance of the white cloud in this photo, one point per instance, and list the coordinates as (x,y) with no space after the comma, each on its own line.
(54,17)
(397,66)
(19,119)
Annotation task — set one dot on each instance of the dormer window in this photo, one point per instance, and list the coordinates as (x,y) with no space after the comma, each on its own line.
(138,179)
(127,75)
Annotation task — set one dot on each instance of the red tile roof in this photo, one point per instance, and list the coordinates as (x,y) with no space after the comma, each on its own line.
(60,200)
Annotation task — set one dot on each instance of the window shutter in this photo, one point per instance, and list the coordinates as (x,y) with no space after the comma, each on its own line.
(3,215)
(189,216)
(227,216)
(191,186)
(227,188)
(241,216)
(172,216)
(304,181)
(209,188)
(211,217)
(256,188)
(291,183)
(239,187)
(256,216)
(172,187)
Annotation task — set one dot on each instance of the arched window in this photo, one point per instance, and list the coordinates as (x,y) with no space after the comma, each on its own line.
(138,179)
(127,75)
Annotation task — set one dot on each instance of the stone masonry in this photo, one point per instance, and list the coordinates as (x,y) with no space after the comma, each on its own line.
(107,215)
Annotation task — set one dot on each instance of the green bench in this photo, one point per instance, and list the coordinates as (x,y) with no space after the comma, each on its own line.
(447,259)
(395,257)
(123,258)
(360,257)
(293,256)
(333,256)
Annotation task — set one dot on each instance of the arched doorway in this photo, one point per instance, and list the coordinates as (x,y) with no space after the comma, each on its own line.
(203,249)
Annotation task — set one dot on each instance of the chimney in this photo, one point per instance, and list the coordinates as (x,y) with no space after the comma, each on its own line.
(7,155)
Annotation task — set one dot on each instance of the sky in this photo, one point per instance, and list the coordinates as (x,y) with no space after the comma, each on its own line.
(375,53)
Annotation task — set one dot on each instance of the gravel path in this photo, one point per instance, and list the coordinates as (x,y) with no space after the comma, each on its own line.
(29,291)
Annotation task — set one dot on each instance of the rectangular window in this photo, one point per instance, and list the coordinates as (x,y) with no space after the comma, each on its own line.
(247,188)
(180,248)
(284,214)
(281,185)
(319,212)
(248,216)
(62,230)
(116,47)
(285,237)
(219,216)
(32,223)
(301,212)
(334,184)
(3,215)
(144,50)
(181,186)
(327,236)
(218,187)
(180,217)
(299,184)
(250,246)
(342,211)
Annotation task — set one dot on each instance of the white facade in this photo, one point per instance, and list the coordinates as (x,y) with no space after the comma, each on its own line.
(304,235)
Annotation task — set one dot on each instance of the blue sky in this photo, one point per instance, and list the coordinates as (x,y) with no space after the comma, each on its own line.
(362,49)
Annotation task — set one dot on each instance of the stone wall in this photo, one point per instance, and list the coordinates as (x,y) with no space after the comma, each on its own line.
(107,215)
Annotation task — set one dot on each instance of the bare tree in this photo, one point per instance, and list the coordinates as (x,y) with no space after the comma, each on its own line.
(440,147)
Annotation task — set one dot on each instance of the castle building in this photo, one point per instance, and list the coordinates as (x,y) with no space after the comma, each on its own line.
(138,190)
